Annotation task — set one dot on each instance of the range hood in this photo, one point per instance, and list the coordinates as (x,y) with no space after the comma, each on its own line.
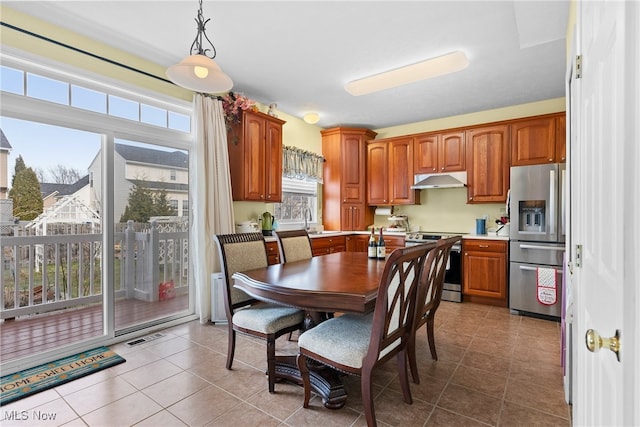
(440,180)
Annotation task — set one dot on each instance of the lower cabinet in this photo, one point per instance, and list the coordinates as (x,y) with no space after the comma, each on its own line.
(273,255)
(484,267)
(392,243)
(360,242)
(327,245)
(357,242)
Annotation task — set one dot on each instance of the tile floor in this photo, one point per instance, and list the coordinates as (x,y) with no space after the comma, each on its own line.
(494,369)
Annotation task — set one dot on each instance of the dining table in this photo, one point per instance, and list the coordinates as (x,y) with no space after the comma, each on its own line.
(340,282)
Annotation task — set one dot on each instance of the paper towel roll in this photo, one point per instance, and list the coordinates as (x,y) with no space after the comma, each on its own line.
(383,211)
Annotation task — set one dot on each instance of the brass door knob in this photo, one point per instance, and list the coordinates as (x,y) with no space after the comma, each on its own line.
(595,342)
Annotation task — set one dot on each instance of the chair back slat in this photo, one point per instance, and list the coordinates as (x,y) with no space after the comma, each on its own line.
(395,305)
(432,279)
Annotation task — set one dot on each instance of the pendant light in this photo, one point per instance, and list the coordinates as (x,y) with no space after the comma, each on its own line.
(198,71)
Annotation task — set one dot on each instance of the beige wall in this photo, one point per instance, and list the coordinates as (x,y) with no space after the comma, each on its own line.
(440,210)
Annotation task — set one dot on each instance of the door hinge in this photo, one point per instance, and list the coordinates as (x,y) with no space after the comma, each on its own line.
(578,66)
(578,258)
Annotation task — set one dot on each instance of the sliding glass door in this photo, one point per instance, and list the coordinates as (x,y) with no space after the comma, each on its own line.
(51,233)
(94,213)
(151,233)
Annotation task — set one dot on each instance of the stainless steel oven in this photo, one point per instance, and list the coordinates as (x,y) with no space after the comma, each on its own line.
(452,288)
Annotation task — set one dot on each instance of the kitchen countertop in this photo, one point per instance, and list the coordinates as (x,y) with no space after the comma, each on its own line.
(485,237)
(328,233)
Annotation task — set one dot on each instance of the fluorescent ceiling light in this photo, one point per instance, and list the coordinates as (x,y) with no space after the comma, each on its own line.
(445,64)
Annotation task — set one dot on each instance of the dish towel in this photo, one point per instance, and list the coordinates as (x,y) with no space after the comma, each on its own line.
(546,285)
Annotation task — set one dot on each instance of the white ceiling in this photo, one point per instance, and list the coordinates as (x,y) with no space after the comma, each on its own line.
(299,54)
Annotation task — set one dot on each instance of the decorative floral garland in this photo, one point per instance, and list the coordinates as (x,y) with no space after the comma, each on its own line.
(233,104)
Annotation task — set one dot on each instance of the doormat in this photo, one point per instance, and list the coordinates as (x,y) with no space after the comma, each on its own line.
(33,380)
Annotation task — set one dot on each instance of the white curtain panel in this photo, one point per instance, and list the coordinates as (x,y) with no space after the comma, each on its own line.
(213,204)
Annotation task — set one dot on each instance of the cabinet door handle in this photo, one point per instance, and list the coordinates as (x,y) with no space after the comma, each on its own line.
(483,246)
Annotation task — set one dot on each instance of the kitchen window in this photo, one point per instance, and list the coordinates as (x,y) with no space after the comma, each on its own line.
(299,197)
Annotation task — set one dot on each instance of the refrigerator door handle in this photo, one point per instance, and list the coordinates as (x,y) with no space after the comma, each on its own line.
(544,248)
(563,180)
(527,268)
(553,185)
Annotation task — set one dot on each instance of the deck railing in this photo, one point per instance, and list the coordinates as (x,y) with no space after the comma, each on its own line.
(46,273)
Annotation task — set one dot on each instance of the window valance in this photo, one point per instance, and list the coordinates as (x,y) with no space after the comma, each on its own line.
(301,164)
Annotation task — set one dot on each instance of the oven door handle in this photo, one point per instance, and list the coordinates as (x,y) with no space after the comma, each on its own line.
(544,248)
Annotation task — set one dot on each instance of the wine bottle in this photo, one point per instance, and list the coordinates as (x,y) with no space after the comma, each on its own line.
(381,249)
(373,248)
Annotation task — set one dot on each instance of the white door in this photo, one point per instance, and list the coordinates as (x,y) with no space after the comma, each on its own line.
(605,212)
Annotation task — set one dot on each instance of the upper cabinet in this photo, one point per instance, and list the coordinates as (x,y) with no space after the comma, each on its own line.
(487,153)
(390,172)
(439,152)
(255,157)
(344,187)
(538,140)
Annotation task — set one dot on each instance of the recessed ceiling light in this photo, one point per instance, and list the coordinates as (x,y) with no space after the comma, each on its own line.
(445,64)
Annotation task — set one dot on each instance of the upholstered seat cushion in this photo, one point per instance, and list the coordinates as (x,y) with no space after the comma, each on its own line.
(343,339)
(267,318)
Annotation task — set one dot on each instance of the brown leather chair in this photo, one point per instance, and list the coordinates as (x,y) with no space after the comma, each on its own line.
(241,252)
(358,344)
(293,245)
(429,297)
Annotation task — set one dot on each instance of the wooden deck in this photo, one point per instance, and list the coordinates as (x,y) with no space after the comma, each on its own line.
(36,333)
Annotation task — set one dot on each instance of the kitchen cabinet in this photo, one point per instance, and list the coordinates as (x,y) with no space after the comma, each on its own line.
(360,242)
(344,188)
(392,243)
(273,254)
(357,242)
(255,157)
(487,152)
(484,267)
(439,152)
(538,140)
(327,245)
(390,172)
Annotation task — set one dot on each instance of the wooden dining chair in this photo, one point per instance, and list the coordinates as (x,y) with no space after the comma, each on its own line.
(247,251)
(429,297)
(357,344)
(293,245)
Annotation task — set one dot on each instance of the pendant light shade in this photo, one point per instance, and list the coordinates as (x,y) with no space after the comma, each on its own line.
(200,74)
(198,71)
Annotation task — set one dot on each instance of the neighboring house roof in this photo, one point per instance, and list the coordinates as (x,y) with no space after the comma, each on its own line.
(48,188)
(161,185)
(4,142)
(175,159)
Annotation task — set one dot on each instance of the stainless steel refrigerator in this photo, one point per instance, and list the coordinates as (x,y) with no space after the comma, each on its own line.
(537,235)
